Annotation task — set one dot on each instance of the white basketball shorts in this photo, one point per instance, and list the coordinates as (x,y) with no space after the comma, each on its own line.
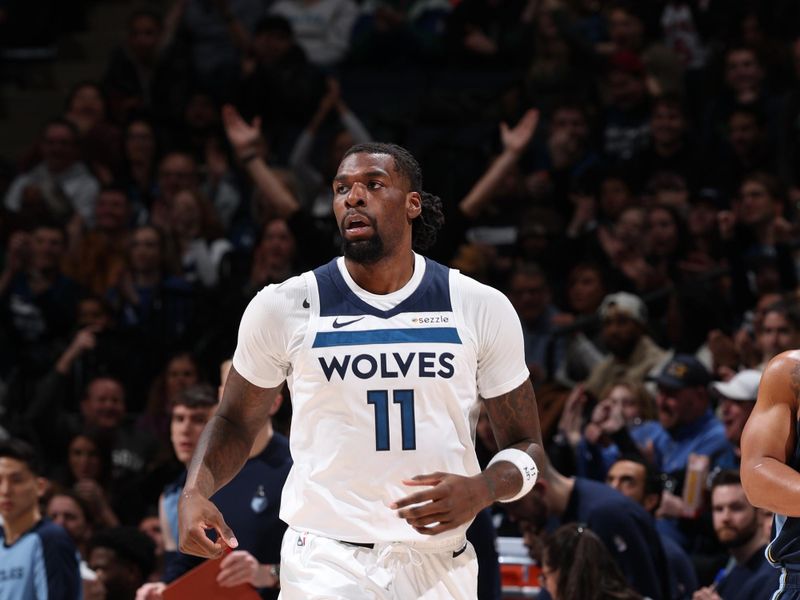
(317,567)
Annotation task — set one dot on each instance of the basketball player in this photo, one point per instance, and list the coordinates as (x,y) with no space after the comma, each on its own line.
(385,353)
(771,461)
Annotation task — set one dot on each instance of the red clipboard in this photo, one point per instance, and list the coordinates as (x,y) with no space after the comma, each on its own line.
(201,584)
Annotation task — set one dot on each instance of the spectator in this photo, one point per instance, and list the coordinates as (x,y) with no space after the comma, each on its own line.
(632,352)
(626,127)
(485,34)
(322,27)
(627,531)
(586,288)
(738,526)
(123,558)
(399,31)
(495,204)
(61,182)
(146,73)
(70,511)
(576,564)
(736,399)
(37,301)
(634,477)
(96,260)
(181,371)
(178,171)
(529,292)
(252,497)
(278,83)
(779,331)
(88,475)
(100,140)
(197,234)
(150,299)
(669,148)
(38,559)
(138,176)
(624,420)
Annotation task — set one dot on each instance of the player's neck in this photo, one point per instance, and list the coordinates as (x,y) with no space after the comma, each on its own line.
(14,529)
(385,276)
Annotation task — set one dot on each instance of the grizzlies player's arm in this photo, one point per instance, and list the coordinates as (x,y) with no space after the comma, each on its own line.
(769,439)
(453,500)
(222,450)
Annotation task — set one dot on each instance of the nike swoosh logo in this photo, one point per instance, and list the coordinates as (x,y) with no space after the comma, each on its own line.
(337,324)
(305,303)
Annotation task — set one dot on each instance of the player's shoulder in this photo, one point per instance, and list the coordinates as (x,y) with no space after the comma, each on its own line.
(473,290)
(51,534)
(781,378)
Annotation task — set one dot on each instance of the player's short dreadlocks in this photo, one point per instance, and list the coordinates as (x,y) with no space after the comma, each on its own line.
(431,219)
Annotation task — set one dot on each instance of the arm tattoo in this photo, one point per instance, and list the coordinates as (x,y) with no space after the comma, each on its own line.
(515,417)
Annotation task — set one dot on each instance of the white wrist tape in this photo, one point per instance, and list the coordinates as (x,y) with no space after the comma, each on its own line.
(523,462)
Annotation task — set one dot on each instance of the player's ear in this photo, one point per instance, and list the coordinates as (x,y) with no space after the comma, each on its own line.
(413,204)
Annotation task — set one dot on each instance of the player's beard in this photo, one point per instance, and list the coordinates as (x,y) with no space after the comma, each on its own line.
(364,252)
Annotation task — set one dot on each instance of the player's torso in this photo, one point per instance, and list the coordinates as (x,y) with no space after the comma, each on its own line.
(783,549)
(378,397)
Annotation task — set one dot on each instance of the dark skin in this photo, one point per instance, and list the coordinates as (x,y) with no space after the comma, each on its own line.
(371,196)
(769,440)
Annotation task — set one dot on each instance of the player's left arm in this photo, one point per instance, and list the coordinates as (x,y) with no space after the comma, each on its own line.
(451,500)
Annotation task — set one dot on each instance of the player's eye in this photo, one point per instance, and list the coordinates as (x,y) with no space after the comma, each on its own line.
(374,185)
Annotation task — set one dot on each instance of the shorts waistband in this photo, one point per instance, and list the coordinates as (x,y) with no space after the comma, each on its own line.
(456,553)
(456,544)
(791,576)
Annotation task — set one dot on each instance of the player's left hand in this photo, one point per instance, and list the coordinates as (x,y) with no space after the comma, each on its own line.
(450,501)
(238,567)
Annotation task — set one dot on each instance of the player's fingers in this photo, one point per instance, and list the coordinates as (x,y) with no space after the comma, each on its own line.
(415,498)
(198,544)
(425,479)
(434,529)
(224,532)
(423,510)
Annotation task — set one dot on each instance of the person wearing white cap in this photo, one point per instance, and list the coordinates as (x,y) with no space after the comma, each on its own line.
(737,397)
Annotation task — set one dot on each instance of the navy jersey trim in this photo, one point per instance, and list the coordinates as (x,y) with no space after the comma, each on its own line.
(337,299)
(440,335)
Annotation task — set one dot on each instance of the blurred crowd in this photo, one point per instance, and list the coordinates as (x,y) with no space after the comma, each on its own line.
(626,172)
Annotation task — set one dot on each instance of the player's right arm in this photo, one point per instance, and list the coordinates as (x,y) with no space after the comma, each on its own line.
(221,452)
(769,439)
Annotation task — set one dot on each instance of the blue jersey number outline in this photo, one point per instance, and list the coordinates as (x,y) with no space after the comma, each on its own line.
(380,400)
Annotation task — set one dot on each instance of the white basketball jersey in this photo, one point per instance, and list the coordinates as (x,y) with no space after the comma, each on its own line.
(379,396)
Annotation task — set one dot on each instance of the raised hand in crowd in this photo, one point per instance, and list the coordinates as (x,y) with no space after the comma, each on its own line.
(571,422)
(516,139)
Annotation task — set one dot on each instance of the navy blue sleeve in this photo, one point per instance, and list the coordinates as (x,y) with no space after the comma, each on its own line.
(635,547)
(60,563)
(177,563)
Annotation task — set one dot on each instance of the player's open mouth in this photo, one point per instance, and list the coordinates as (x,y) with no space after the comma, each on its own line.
(356,225)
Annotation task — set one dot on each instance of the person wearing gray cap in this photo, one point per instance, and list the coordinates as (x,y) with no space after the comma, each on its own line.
(736,399)
(632,352)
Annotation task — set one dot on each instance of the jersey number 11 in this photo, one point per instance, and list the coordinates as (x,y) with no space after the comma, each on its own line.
(380,400)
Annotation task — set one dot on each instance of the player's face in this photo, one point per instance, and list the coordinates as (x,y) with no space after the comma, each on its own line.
(186,425)
(627,477)
(19,490)
(735,519)
(373,207)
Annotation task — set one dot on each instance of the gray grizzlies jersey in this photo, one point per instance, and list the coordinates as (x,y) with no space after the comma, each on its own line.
(383,388)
